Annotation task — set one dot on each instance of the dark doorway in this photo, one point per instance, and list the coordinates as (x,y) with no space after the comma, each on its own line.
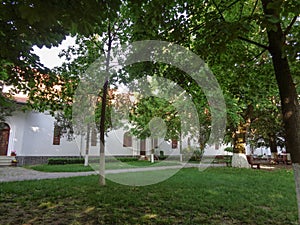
(143,147)
(4,137)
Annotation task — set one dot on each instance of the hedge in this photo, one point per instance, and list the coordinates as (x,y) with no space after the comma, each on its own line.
(61,161)
(127,159)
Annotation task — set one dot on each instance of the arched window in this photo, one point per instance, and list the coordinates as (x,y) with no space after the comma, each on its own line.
(94,137)
(143,147)
(155,143)
(174,143)
(4,138)
(127,140)
(56,135)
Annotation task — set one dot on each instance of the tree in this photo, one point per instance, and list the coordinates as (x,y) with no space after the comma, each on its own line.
(266,128)
(237,22)
(210,28)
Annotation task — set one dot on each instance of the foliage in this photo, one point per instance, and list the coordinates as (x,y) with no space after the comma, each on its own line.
(232,37)
(228,149)
(24,24)
(192,154)
(151,107)
(7,106)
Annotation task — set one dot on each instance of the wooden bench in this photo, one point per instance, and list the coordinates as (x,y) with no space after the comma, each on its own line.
(284,158)
(223,159)
(252,163)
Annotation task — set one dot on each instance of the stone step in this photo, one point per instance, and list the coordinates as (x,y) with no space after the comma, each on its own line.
(6,160)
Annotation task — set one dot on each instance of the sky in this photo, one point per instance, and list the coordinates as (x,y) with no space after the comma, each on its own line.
(49,56)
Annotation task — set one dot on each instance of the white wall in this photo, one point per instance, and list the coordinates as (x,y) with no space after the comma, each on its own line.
(31,134)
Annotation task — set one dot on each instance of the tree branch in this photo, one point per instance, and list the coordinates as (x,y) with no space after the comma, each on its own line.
(253,42)
(254,8)
(220,13)
(288,29)
(228,7)
(99,47)
(203,23)
(241,12)
(262,52)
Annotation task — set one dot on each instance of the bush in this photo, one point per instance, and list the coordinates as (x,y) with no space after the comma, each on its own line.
(62,161)
(228,149)
(162,155)
(192,154)
(127,159)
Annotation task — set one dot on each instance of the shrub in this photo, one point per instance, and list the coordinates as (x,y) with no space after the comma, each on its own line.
(127,159)
(162,155)
(192,154)
(228,149)
(62,161)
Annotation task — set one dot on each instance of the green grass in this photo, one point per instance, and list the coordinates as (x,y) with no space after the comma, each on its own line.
(61,168)
(95,166)
(134,164)
(215,196)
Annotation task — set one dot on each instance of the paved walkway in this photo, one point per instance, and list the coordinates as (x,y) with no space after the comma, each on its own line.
(8,174)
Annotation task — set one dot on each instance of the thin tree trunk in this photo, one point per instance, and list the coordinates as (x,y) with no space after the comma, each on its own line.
(272,143)
(103,112)
(87,146)
(296,168)
(287,90)
(102,136)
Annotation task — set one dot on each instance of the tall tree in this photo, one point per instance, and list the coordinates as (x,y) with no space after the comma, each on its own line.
(83,75)
(212,27)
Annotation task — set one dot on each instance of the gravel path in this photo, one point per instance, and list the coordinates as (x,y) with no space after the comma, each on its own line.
(19,173)
(8,174)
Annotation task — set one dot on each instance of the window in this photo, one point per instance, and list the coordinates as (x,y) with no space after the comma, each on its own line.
(143,147)
(4,138)
(217,146)
(174,143)
(56,135)
(155,143)
(127,140)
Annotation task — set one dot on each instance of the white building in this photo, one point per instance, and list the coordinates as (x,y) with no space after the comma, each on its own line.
(32,136)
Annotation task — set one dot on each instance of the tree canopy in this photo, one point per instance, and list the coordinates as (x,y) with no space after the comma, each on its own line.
(239,40)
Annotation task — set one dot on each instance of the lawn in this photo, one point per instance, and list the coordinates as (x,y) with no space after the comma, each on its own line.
(61,168)
(95,166)
(214,196)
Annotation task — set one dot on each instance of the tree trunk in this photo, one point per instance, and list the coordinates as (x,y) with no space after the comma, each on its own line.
(239,148)
(287,90)
(273,143)
(239,138)
(87,146)
(102,136)
(103,110)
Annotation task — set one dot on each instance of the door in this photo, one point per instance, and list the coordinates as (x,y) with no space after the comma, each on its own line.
(4,137)
(143,147)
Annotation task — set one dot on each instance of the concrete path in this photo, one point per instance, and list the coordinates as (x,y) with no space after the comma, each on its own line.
(19,173)
(8,174)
